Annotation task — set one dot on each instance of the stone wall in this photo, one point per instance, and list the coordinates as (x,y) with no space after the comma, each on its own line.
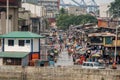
(58,73)
(11,73)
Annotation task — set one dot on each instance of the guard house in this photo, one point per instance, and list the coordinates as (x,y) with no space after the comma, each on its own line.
(19,48)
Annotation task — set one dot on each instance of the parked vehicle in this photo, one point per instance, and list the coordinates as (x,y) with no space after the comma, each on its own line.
(92,65)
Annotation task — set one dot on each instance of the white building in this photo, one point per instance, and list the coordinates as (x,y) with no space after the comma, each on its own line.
(104,10)
(37,17)
(19,48)
(36,10)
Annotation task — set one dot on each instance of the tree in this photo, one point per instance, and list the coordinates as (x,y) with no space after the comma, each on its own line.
(65,20)
(114,8)
(61,21)
(62,11)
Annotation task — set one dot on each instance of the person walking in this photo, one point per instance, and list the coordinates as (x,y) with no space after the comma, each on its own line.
(51,59)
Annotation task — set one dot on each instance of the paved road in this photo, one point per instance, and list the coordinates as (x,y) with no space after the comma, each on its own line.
(64,59)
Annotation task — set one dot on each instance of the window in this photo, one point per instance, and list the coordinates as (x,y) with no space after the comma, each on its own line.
(27,41)
(10,42)
(12,61)
(21,43)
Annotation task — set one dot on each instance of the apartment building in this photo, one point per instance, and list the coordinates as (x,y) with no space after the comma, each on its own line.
(35,20)
(52,7)
(76,10)
(104,10)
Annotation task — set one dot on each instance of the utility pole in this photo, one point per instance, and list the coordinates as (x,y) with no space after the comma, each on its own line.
(7,20)
(116,40)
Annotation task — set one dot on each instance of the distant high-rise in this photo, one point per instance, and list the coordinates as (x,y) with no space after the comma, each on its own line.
(52,7)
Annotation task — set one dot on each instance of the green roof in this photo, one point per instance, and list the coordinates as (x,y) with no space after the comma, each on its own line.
(13,54)
(21,34)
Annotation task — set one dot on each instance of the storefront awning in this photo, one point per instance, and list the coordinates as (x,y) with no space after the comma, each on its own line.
(101,34)
(13,54)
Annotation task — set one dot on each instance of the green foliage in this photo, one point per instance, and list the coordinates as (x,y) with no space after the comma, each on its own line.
(65,20)
(114,8)
(62,11)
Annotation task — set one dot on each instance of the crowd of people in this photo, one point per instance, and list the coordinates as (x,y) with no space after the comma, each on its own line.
(77,48)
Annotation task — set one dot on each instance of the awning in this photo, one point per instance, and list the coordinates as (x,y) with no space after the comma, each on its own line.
(13,54)
(94,34)
(101,34)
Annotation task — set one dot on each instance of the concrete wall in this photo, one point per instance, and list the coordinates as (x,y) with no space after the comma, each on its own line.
(1,61)
(25,61)
(16,47)
(25,48)
(13,21)
(63,73)
(36,45)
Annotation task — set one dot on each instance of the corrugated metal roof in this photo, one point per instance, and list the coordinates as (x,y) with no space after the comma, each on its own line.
(21,34)
(13,54)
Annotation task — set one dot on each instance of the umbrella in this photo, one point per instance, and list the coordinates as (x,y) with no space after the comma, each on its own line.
(96,55)
(78,47)
(81,52)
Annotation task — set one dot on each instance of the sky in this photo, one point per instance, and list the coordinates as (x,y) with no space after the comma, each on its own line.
(99,2)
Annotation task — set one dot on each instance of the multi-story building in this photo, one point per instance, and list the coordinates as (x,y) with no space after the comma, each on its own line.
(76,10)
(24,20)
(11,23)
(36,17)
(52,7)
(36,10)
(104,10)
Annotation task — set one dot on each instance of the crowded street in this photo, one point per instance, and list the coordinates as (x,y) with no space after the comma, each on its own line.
(72,49)
(64,59)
